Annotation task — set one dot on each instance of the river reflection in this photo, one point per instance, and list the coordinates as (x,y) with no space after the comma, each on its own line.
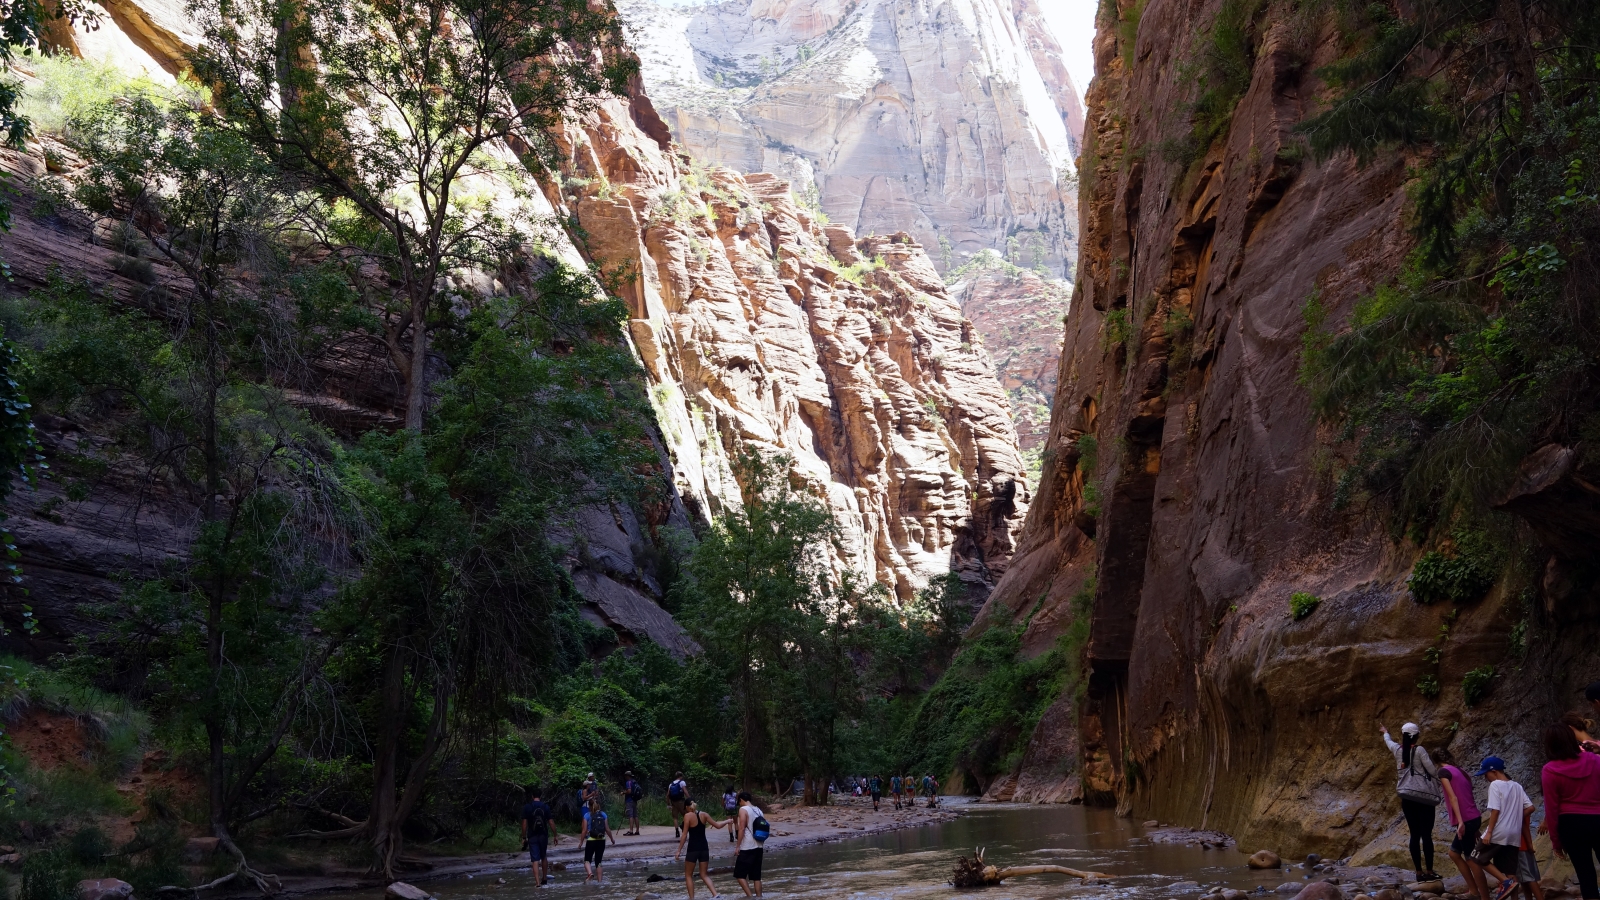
(916,862)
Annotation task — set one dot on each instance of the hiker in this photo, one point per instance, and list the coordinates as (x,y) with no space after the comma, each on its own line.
(894,789)
(677,795)
(730,805)
(1571,784)
(1505,827)
(631,792)
(595,831)
(699,851)
(1466,818)
(1420,793)
(930,786)
(876,787)
(538,832)
(752,832)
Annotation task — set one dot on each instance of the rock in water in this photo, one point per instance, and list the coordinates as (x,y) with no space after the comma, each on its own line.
(1184,887)
(402,891)
(104,889)
(1319,890)
(1232,894)
(654,878)
(1388,894)
(1264,859)
(1312,859)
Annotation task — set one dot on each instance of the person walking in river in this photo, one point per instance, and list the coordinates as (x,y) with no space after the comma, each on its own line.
(1571,784)
(930,786)
(752,832)
(894,789)
(1466,819)
(699,852)
(538,831)
(595,831)
(875,785)
(1420,794)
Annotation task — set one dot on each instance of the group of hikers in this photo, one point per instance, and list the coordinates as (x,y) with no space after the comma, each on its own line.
(1493,850)
(902,788)
(747,827)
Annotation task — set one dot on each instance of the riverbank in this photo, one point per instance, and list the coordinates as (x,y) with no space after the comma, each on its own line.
(652,850)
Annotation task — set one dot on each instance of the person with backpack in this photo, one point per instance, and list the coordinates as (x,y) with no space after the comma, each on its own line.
(677,798)
(694,835)
(930,787)
(1571,784)
(753,832)
(596,829)
(894,789)
(1420,794)
(730,805)
(631,794)
(875,785)
(538,832)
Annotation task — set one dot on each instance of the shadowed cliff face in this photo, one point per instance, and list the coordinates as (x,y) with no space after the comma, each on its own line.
(757,326)
(1187,492)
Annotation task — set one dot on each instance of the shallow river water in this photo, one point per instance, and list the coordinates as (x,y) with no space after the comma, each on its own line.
(915,863)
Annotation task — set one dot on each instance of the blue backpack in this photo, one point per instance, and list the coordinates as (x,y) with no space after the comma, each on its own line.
(760,830)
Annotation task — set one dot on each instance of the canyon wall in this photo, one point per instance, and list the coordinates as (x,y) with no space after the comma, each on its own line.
(954,121)
(757,326)
(1187,491)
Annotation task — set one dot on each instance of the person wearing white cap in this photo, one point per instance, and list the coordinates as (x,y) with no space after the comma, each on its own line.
(1420,794)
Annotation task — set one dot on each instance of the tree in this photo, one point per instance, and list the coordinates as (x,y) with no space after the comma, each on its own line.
(544,413)
(194,372)
(390,109)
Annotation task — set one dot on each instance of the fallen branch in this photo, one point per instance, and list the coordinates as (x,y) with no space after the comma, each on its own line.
(975,873)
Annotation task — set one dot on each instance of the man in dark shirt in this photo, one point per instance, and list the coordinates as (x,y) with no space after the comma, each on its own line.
(538,832)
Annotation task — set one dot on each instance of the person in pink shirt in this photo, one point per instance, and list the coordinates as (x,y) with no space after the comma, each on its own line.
(1571,782)
(1467,820)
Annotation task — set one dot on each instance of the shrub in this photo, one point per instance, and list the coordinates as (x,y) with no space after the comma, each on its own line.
(50,875)
(1301,604)
(1428,686)
(1458,579)
(1475,684)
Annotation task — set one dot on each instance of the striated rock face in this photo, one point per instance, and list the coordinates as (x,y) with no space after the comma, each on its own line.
(760,326)
(757,326)
(1187,492)
(954,121)
(1020,316)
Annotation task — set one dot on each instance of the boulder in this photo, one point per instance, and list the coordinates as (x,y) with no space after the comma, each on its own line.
(1388,894)
(104,889)
(11,859)
(1319,890)
(399,890)
(1232,894)
(1264,859)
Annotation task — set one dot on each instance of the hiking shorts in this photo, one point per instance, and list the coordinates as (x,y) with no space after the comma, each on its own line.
(594,851)
(1468,838)
(876,796)
(538,847)
(679,807)
(1527,867)
(747,865)
(633,808)
(697,855)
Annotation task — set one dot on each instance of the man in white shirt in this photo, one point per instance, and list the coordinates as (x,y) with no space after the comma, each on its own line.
(1506,826)
(747,864)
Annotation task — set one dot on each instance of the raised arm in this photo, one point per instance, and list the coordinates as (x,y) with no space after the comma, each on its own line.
(1388,741)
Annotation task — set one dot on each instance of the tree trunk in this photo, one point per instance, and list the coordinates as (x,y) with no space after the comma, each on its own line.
(416,383)
(382,829)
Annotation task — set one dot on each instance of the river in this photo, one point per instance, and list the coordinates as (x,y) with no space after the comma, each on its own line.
(915,863)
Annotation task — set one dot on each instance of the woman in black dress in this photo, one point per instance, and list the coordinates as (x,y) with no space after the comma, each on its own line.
(699,852)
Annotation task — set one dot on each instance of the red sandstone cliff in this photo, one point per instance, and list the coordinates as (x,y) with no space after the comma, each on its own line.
(1187,493)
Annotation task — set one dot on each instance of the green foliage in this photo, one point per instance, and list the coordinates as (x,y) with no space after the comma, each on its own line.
(1483,348)
(1476,683)
(1428,686)
(1117,330)
(982,710)
(1221,71)
(1461,577)
(50,875)
(1302,604)
(67,89)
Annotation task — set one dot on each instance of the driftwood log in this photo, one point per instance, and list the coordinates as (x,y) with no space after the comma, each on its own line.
(975,873)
